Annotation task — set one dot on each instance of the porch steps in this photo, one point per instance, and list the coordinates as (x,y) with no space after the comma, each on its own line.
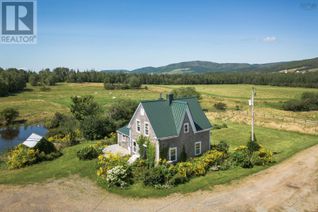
(133,158)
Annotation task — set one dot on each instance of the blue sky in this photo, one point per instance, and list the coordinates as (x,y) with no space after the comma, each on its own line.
(128,34)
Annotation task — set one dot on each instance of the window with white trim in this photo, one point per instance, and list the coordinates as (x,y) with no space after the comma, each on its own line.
(138,125)
(146,130)
(186,128)
(173,154)
(197,148)
(123,137)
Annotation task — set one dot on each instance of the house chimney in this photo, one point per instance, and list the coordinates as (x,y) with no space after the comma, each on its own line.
(170,98)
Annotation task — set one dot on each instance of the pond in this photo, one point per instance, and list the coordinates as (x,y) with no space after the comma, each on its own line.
(12,136)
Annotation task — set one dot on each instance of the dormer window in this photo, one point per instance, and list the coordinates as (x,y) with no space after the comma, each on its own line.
(138,126)
(186,128)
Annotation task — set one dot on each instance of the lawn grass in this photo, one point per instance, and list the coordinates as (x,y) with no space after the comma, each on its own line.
(284,143)
(64,166)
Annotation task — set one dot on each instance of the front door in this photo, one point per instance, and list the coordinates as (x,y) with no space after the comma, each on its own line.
(134,146)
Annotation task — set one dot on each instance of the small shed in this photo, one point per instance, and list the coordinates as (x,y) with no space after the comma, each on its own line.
(32,140)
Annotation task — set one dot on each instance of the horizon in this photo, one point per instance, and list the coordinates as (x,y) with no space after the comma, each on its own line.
(112,35)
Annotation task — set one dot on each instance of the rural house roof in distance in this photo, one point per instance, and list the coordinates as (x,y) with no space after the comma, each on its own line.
(166,117)
(32,140)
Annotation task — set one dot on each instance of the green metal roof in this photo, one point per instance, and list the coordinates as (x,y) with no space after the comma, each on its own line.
(160,116)
(166,119)
(124,130)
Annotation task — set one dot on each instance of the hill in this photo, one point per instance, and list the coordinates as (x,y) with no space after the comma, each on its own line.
(115,70)
(307,65)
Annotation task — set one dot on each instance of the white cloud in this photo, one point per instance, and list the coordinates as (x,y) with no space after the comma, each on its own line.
(269,39)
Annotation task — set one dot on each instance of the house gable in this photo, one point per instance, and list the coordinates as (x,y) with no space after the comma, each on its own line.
(141,115)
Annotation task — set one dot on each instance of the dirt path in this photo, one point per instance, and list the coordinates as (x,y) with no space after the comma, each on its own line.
(289,186)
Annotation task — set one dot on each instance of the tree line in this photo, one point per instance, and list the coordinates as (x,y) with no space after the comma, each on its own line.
(14,80)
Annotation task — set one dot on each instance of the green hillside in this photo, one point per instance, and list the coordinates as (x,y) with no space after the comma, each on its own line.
(307,65)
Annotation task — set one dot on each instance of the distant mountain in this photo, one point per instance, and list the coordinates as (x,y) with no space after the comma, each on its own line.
(116,70)
(205,66)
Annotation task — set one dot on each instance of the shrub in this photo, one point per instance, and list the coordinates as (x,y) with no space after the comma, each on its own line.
(199,169)
(262,157)
(139,167)
(120,176)
(45,146)
(57,120)
(99,146)
(87,153)
(8,115)
(83,107)
(178,179)
(121,111)
(212,157)
(220,106)
(242,157)
(94,128)
(158,175)
(219,126)
(146,150)
(64,138)
(222,147)
(185,92)
(184,169)
(141,141)
(109,161)
(134,82)
(183,155)
(111,139)
(308,101)
(22,156)
(253,146)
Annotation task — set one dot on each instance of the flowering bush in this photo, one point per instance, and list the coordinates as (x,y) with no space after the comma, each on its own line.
(120,176)
(22,156)
(242,157)
(99,146)
(67,139)
(262,157)
(184,169)
(106,163)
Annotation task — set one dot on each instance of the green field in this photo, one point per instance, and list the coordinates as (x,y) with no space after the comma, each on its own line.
(36,106)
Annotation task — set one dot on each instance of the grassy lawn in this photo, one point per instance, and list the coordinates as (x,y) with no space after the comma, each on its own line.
(66,165)
(284,143)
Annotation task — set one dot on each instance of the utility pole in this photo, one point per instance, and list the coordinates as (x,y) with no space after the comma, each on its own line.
(251,103)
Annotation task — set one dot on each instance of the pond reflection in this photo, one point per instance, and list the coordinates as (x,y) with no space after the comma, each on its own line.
(9,133)
(12,136)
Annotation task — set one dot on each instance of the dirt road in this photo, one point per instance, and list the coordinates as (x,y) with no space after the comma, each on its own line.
(288,186)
